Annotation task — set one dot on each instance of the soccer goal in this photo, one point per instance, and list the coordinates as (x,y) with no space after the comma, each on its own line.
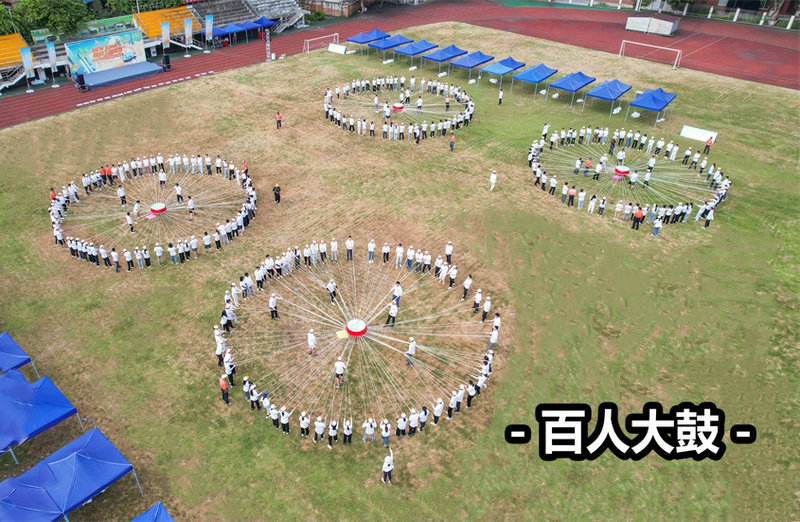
(319,42)
(655,53)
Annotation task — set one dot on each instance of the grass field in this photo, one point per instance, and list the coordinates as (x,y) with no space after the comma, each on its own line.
(599,313)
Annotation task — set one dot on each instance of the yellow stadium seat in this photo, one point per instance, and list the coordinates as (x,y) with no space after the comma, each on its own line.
(10,44)
(150,21)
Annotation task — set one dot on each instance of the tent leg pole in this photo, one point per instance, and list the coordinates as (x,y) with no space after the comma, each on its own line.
(141,493)
(65,518)
(13,456)
(35,370)
(626,113)
(80,422)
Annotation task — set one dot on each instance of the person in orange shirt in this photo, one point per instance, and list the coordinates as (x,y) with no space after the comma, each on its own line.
(452,141)
(278,119)
(709,143)
(588,166)
(244,167)
(53,194)
(571,196)
(223,386)
(638,216)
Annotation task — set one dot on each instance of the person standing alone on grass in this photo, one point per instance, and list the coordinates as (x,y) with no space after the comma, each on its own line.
(500,97)
(278,119)
(452,141)
(492,180)
(388,466)
(223,386)
(276,190)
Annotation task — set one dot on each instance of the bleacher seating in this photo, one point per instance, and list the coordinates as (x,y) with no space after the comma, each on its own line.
(10,44)
(150,21)
(225,11)
(274,9)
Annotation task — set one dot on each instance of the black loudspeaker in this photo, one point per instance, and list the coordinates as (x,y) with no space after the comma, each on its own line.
(81,82)
(165,63)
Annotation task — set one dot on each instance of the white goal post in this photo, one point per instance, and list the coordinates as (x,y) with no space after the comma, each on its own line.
(319,42)
(678,53)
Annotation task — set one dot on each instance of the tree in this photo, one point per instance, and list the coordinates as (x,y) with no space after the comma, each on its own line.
(65,16)
(6,26)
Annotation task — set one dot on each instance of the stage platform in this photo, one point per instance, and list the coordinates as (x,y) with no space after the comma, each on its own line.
(121,74)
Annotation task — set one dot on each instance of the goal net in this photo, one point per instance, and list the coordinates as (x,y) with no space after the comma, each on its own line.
(320,42)
(651,52)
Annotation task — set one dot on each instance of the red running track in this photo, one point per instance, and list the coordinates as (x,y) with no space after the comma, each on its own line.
(759,54)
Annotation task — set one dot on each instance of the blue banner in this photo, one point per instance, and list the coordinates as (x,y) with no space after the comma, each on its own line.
(51,55)
(27,60)
(164,34)
(209,27)
(187,31)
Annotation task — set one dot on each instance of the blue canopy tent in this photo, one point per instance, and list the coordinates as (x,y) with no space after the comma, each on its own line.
(157,513)
(654,100)
(573,83)
(413,49)
(471,61)
(28,409)
(442,55)
(264,22)
(248,26)
(390,43)
(12,356)
(610,90)
(65,480)
(365,38)
(534,75)
(502,68)
(216,32)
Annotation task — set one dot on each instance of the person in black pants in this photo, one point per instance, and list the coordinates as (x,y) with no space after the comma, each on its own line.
(276,190)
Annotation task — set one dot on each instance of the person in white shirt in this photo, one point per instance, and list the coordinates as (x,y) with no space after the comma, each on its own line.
(397,292)
(392,314)
(453,273)
(487,305)
(319,429)
(385,252)
(411,352)
(347,431)
(333,428)
(452,405)
(273,310)
(413,422)
(312,342)
(339,368)
(496,322)
(467,285)
(305,422)
(348,245)
(371,251)
(369,430)
(388,466)
(331,288)
(334,249)
(492,180)
(493,337)
(438,408)
(398,253)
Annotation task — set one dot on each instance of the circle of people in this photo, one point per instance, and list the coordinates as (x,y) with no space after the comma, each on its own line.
(620,140)
(396,130)
(443,269)
(113,177)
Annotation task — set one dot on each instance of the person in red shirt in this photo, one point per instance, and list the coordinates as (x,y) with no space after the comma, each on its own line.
(452,141)
(53,194)
(278,119)
(223,386)
(588,166)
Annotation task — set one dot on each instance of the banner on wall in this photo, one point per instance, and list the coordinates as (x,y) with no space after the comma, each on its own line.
(105,52)
(187,30)
(51,55)
(27,60)
(209,27)
(164,34)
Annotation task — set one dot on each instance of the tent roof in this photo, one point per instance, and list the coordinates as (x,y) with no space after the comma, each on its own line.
(11,355)
(572,82)
(249,25)
(64,481)
(392,41)
(416,48)
(442,55)
(536,74)
(653,100)
(377,34)
(232,28)
(216,31)
(361,38)
(27,409)
(503,67)
(265,22)
(472,60)
(157,513)
(610,90)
